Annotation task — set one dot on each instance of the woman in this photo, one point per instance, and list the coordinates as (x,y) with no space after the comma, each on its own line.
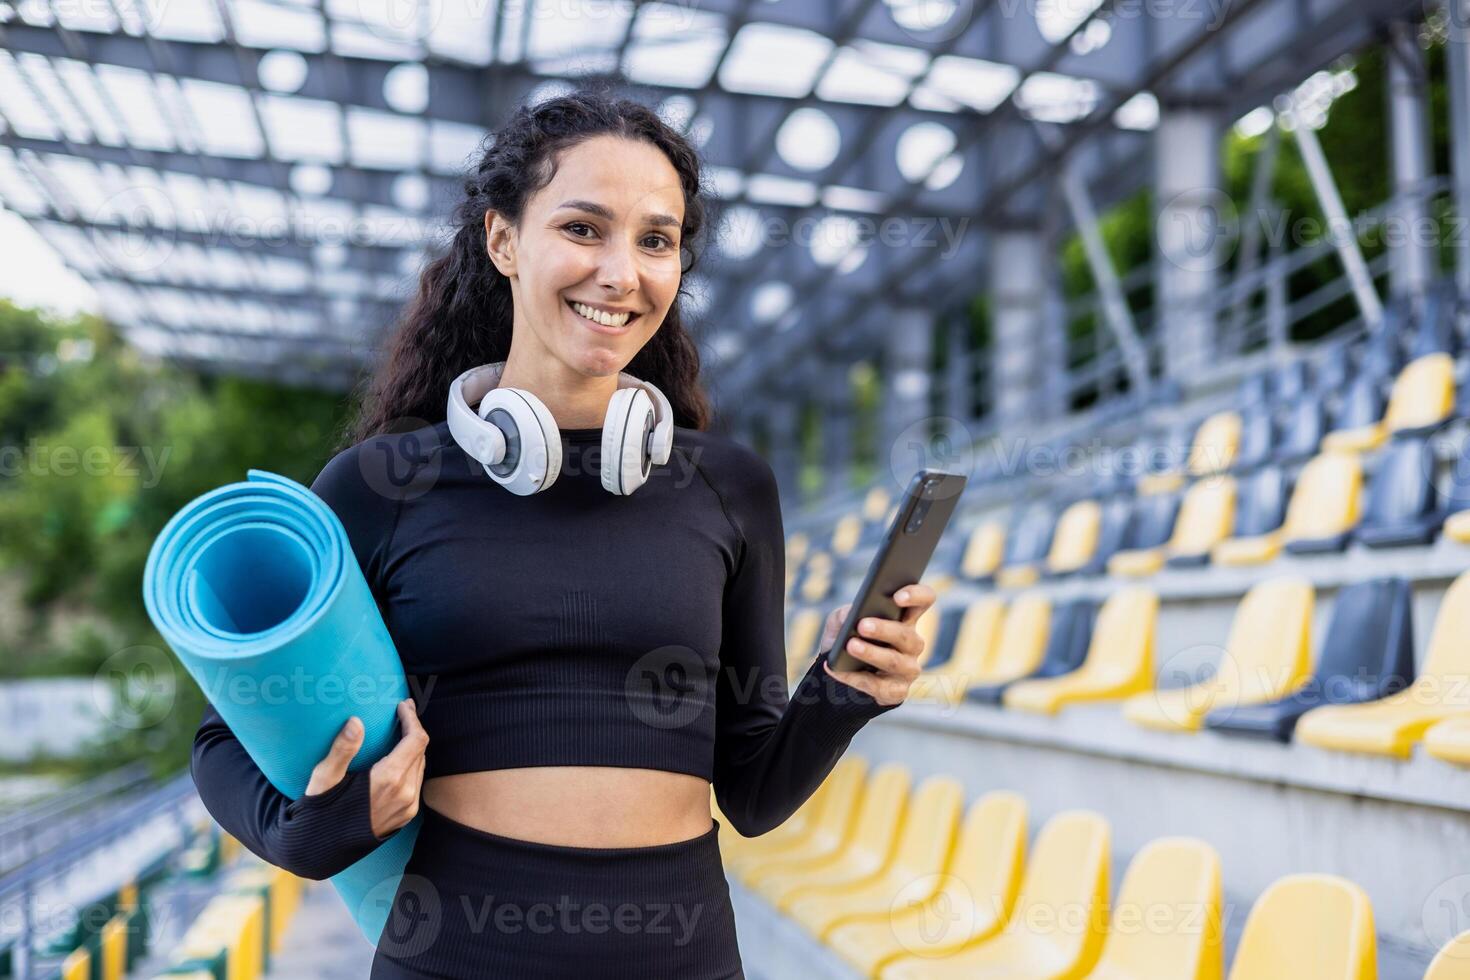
(584,663)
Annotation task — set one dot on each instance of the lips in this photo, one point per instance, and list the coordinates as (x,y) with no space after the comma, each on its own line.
(601,327)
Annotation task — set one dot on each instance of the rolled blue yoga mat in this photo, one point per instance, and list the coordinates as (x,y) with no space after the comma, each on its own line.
(255,588)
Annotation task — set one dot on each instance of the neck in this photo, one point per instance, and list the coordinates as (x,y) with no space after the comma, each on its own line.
(574,400)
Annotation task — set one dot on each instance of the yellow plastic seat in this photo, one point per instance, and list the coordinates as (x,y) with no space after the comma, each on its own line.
(832,826)
(863,852)
(974,646)
(984,550)
(1450,740)
(846,533)
(1056,931)
(1391,725)
(1452,962)
(1215,445)
(1119,662)
(1308,925)
(875,502)
(1168,921)
(1075,540)
(1022,641)
(802,633)
(800,831)
(1205,517)
(1457,527)
(1267,656)
(818,579)
(797,543)
(976,894)
(1326,503)
(1018,576)
(1213,450)
(1423,396)
(921,850)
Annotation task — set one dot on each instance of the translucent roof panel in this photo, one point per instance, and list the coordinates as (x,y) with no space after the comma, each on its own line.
(955,83)
(185,22)
(18,190)
(872,73)
(385,140)
(19,106)
(269,24)
(1139,112)
(675,45)
(1050,97)
(131,92)
(453,146)
(462,30)
(576,39)
(51,93)
(766,59)
(86,90)
(223,119)
(303,129)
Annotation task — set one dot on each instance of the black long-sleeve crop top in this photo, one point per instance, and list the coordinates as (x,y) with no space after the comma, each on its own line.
(568,627)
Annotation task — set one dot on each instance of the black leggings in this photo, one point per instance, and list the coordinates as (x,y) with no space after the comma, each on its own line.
(474,904)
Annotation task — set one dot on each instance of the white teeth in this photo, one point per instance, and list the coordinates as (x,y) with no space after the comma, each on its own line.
(606,319)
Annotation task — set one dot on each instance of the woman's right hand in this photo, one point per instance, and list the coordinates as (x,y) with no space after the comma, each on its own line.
(394,780)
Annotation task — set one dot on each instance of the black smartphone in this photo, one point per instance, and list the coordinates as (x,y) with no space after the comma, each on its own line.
(901,558)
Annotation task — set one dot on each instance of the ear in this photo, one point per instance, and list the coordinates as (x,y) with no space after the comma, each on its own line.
(500,241)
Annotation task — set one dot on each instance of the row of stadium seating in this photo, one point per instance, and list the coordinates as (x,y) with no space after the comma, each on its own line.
(905,882)
(1360,693)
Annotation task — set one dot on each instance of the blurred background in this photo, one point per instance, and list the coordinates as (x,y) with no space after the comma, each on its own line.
(1181,286)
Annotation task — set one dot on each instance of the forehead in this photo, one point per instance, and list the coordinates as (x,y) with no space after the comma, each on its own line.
(630,177)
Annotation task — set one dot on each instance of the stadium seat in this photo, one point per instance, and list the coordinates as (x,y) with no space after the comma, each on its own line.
(846,533)
(1289,381)
(1150,525)
(1368,654)
(1119,663)
(1066,647)
(1308,925)
(937,652)
(1356,421)
(1392,725)
(1423,396)
(1027,544)
(1332,371)
(1116,513)
(1266,656)
(978,891)
(1205,519)
(974,651)
(983,552)
(1452,962)
(1322,513)
(1075,540)
(1457,499)
(1436,331)
(862,854)
(1257,440)
(1168,920)
(921,850)
(1450,740)
(1254,390)
(1301,433)
(1212,450)
(816,582)
(1401,509)
(826,819)
(1067,873)
(803,630)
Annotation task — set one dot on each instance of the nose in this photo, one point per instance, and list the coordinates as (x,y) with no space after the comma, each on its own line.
(618,272)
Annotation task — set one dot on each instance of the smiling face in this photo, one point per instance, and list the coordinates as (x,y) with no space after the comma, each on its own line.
(603,233)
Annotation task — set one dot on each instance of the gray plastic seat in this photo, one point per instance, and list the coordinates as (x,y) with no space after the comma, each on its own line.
(1368,654)
(1302,431)
(1066,648)
(1402,509)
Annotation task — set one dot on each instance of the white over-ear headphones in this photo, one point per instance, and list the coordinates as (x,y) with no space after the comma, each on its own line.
(519,444)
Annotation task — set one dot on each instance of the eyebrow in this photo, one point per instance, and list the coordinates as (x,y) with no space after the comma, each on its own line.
(592,207)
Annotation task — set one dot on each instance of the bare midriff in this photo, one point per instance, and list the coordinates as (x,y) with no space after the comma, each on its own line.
(577,806)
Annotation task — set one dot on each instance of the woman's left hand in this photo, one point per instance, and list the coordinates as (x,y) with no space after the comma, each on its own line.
(892,646)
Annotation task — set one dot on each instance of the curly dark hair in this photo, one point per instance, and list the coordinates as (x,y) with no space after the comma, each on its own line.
(462,314)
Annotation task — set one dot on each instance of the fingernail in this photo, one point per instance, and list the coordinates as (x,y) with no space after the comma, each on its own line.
(903,595)
(354,726)
(866,626)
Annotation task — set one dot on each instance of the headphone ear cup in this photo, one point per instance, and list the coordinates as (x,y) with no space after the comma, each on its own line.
(625,461)
(532,440)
